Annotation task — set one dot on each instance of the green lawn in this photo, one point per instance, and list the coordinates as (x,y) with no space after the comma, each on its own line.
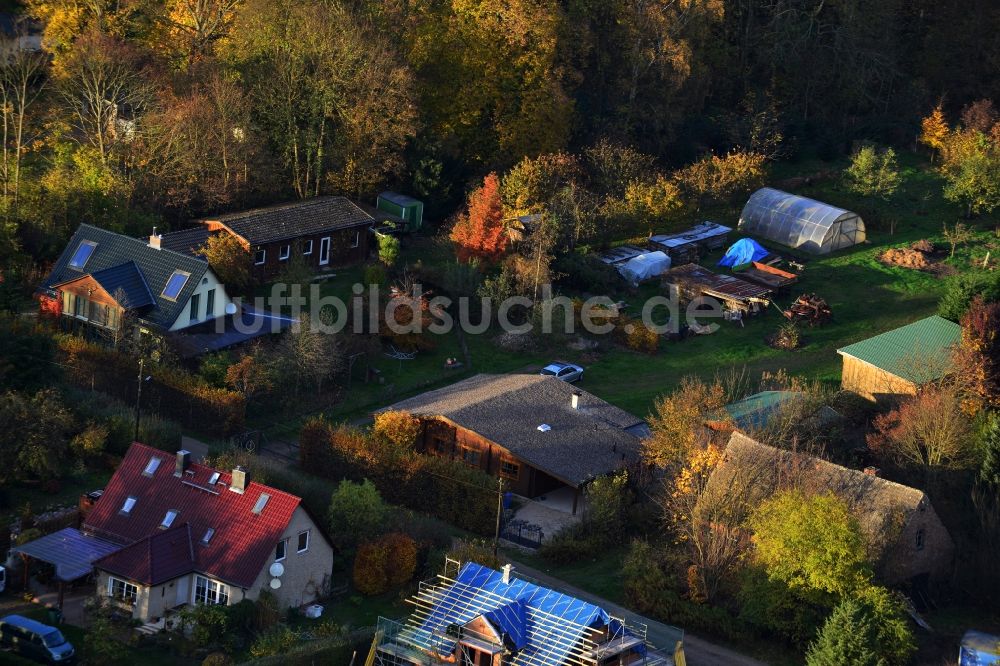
(71,487)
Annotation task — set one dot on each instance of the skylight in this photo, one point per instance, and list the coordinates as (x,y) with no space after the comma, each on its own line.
(261,502)
(129,503)
(545,427)
(214,479)
(151,466)
(175,284)
(168,519)
(209,533)
(83,252)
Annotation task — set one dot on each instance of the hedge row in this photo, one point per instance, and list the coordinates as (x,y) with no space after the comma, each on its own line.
(172,392)
(447,489)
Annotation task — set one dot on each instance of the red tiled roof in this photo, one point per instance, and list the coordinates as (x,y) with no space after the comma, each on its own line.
(156,559)
(243,543)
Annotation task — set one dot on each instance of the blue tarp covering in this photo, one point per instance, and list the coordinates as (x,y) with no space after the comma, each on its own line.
(742,252)
(551,626)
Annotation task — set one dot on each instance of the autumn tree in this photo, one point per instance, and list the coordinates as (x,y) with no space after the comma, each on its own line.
(250,375)
(980,116)
(531,184)
(978,356)
(810,542)
(34,435)
(22,80)
(191,27)
(396,429)
(715,178)
(971,168)
(306,355)
(929,430)
(677,423)
(957,234)
(934,129)
(229,260)
(479,231)
(873,174)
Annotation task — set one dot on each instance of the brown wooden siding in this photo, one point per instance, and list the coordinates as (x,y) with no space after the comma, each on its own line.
(342,253)
(873,383)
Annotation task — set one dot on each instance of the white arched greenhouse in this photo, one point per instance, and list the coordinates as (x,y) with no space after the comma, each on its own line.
(801,223)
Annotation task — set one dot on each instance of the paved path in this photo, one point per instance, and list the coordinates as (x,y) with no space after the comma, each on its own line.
(697,651)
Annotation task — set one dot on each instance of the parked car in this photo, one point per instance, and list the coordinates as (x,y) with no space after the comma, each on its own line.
(36,641)
(564,371)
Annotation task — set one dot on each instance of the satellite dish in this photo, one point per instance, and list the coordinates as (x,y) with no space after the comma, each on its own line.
(275,583)
(276,569)
(231,308)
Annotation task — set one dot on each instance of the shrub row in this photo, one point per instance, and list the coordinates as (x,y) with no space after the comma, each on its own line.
(172,392)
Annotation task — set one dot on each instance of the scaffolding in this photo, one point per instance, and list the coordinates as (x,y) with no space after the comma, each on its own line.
(527,624)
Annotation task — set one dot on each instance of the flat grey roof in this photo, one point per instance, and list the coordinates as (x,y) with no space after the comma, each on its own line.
(69,550)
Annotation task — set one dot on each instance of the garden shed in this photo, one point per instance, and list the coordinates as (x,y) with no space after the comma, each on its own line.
(800,223)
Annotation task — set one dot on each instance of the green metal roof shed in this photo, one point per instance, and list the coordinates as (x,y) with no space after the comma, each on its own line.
(409,209)
(918,352)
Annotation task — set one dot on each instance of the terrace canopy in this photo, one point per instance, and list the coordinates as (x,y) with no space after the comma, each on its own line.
(801,223)
(71,553)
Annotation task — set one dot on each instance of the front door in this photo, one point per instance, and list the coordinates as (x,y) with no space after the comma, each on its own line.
(324,251)
(183,591)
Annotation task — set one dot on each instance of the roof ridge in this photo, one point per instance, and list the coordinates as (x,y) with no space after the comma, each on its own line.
(277,206)
(140,242)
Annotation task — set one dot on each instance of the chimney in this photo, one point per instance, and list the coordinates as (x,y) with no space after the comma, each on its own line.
(872,471)
(239,483)
(154,239)
(575,399)
(182,461)
(506,573)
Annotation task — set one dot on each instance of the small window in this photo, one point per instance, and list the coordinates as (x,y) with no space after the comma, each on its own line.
(259,257)
(214,479)
(303,545)
(281,550)
(119,589)
(82,255)
(261,503)
(168,519)
(210,303)
(151,466)
(509,469)
(470,456)
(195,307)
(174,285)
(127,506)
(307,247)
(920,540)
(357,239)
(209,533)
(285,252)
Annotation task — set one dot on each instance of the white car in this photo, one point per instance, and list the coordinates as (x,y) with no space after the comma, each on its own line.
(564,371)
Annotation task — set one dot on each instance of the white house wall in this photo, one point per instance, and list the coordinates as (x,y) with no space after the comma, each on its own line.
(222,301)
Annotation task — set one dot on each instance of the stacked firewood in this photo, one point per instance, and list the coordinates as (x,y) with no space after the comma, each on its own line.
(809,309)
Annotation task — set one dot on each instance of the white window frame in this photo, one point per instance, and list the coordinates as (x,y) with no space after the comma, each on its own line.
(324,251)
(307,249)
(357,239)
(284,550)
(168,518)
(263,257)
(216,593)
(284,252)
(299,538)
(128,505)
(133,595)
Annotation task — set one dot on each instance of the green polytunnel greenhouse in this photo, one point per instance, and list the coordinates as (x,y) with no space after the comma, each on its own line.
(801,223)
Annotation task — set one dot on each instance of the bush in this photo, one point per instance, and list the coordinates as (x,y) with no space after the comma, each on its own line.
(636,335)
(217,659)
(582,272)
(370,568)
(402,562)
(356,513)
(476,550)
(277,640)
(397,429)
(961,289)
(375,274)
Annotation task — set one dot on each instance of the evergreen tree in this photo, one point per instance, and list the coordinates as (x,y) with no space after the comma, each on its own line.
(989,471)
(848,638)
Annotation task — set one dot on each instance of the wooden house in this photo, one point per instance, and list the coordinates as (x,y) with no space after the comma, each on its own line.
(538,433)
(896,363)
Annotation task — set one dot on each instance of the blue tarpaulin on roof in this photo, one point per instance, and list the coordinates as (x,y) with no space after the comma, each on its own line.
(743,251)
(552,625)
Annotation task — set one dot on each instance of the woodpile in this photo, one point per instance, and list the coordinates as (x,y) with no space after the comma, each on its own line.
(809,309)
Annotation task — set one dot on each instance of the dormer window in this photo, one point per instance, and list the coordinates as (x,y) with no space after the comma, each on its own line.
(261,503)
(127,506)
(175,284)
(209,533)
(168,519)
(151,466)
(82,255)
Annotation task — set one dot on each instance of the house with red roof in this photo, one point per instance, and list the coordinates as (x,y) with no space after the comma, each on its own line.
(188,533)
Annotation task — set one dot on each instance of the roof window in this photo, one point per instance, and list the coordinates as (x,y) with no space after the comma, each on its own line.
(209,533)
(82,255)
(174,285)
(261,503)
(168,519)
(127,506)
(151,466)
(214,479)
(545,427)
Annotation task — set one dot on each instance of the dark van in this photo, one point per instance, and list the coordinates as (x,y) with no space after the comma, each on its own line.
(35,640)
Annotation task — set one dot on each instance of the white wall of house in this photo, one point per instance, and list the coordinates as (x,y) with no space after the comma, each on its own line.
(221,301)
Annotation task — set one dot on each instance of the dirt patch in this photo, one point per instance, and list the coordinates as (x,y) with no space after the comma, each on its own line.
(921,255)
(516,342)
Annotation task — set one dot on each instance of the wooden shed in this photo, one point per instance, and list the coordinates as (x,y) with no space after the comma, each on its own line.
(896,363)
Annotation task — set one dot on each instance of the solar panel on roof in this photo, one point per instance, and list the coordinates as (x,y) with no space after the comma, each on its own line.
(175,283)
(83,252)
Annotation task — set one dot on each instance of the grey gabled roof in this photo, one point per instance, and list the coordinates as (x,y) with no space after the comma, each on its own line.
(295,219)
(507,409)
(129,280)
(114,251)
(186,241)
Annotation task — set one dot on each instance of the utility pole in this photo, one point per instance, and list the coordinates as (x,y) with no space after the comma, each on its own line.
(138,398)
(496,537)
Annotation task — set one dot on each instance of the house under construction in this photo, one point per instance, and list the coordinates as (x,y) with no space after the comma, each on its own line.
(476,616)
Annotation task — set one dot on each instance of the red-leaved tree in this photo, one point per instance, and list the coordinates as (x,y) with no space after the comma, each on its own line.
(479,232)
